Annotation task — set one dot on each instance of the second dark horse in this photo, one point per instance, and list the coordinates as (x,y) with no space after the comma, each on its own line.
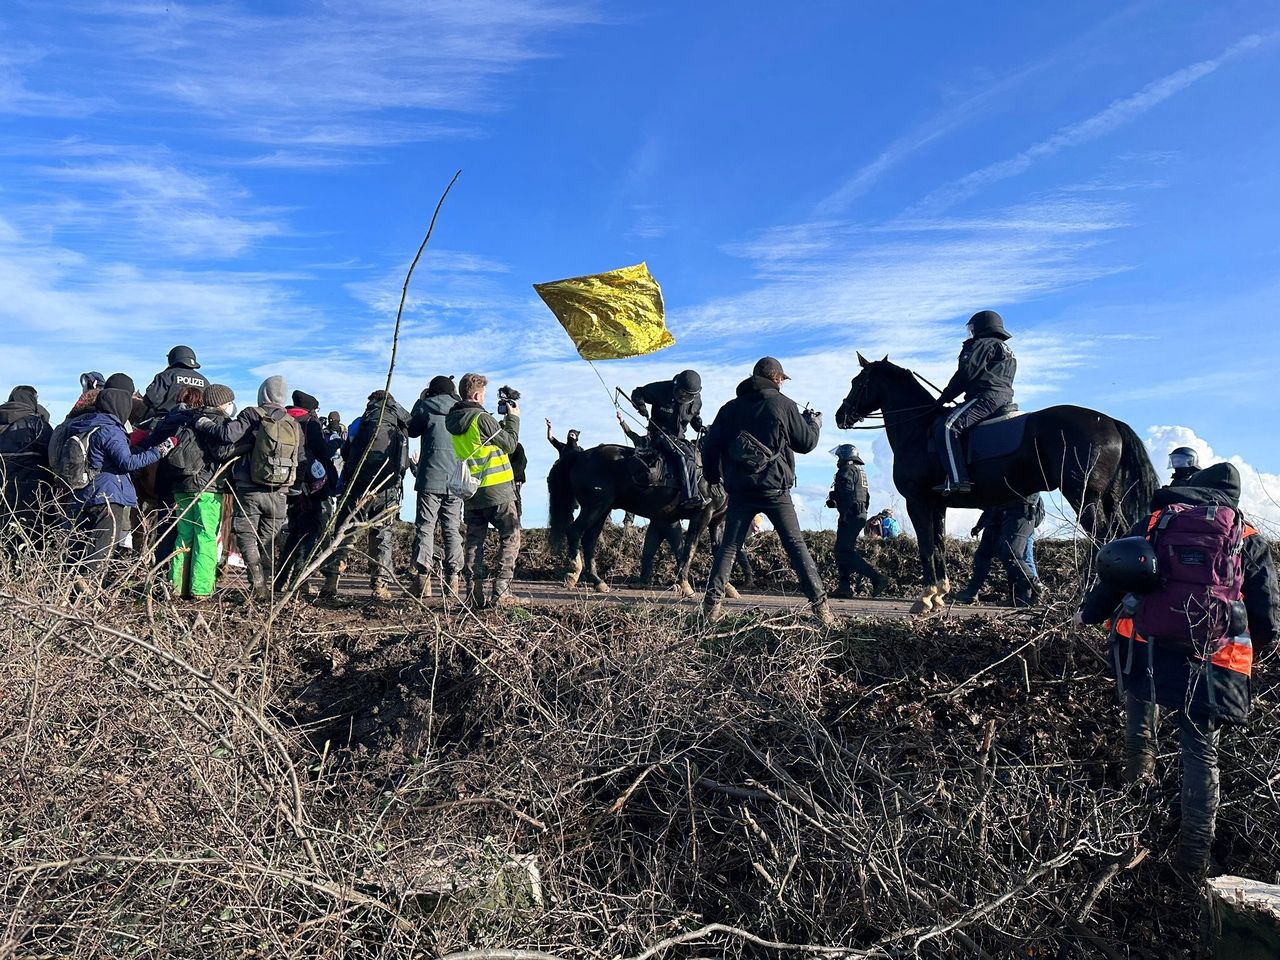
(600,480)
(1098,462)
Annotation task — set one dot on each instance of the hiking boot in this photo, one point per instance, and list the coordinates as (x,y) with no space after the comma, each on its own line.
(330,588)
(822,613)
(422,585)
(877,587)
(1038,591)
(307,590)
(502,595)
(261,593)
(842,592)
(965,596)
(712,611)
(1140,768)
(380,590)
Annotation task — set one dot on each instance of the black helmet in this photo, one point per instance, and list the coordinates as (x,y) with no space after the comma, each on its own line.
(687,381)
(181,356)
(988,323)
(1129,564)
(847,451)
(1183,458)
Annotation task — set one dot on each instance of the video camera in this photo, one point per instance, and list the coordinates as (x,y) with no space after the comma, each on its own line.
(506,397)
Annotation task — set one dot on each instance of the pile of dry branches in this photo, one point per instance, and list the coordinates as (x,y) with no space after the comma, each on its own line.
(396,781)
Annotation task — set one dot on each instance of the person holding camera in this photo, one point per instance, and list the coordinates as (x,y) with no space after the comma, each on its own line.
(486,444)
(751,446)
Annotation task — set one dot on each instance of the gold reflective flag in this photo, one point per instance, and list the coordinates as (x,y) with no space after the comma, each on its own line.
(610,315)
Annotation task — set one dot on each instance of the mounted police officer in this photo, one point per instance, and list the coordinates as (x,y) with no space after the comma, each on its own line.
(985,377)
(676,405)
(162,394)
(1184,462)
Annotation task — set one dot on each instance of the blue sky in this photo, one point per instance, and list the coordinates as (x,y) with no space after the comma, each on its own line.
(805,180)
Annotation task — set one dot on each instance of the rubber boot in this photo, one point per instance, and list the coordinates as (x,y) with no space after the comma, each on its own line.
(330,588)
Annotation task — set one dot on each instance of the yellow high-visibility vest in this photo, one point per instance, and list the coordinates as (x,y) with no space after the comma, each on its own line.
(488,463)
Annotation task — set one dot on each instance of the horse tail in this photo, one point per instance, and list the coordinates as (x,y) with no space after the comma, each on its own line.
(1135,481)
(560,491)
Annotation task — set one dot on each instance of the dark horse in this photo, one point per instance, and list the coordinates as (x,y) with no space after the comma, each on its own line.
(600,480)
(1098,463)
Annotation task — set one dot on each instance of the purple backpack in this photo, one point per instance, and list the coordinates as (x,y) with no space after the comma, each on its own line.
(1201,570)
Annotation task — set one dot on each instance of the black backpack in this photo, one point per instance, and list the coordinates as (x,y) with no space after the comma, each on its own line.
(386,445)
(188,459)
(25,436)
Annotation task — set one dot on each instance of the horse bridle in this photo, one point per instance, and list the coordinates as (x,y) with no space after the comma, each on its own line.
(927,408)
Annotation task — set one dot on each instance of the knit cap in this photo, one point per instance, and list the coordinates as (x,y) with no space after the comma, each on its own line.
(217,395)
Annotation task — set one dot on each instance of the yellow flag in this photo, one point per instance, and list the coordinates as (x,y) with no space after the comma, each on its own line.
(610,315)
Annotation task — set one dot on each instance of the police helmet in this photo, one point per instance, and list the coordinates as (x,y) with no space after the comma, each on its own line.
(1183,458)
(182,356)
(847,451)
(988,323)
(687,382)
(1129,564)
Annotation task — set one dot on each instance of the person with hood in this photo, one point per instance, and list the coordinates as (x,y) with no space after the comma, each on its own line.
(1205,687)
(102,514)
(1184,462)
(266,443)
(374,463)
(486,444)
(437,463)
(162,393)
(676,406)
(24,463)
(751,447)
(984,375)
(315,481)
(850,497)
(1006,532)
(569,447)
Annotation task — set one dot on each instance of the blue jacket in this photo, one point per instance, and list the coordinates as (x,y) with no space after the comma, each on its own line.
(113,461)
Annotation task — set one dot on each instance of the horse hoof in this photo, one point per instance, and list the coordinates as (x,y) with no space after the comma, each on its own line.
(571,581)
(731,591)
(685,590)
(923,605)
(943,588)
(601,587)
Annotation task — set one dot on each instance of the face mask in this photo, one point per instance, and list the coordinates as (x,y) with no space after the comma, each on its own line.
(229,409)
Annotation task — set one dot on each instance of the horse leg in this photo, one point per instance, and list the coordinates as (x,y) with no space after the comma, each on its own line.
(573,547)
(653,537)
(592,528)
(940,556)
(697,525)
(923,519)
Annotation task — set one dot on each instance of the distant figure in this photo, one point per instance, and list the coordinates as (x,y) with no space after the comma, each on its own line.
(851,497)
(883,526)
(1184,462)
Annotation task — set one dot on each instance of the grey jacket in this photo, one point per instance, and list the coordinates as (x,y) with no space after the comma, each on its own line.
(436,461)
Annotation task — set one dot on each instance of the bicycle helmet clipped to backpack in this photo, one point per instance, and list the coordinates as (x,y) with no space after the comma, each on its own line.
(1129,564)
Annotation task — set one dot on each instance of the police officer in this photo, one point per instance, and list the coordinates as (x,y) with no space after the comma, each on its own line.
(1183,461)
(851,498)
(985,376)
(1005,531)
(676,405)
(162,394)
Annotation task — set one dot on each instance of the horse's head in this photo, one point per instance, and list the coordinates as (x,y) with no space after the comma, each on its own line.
(864,396)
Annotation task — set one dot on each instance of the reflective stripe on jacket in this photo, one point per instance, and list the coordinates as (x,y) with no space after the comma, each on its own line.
(488,463)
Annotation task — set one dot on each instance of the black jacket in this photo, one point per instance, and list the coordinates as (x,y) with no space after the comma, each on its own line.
(986,369)
(665,411)
(24,442)
(761,410)
(388,443)
(162,393)
(1260,593)
(315,449)
(849,491)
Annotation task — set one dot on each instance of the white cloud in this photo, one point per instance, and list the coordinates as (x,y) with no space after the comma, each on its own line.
(1116,114)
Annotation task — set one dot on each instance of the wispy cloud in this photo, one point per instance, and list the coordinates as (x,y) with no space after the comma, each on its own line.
(1115,115)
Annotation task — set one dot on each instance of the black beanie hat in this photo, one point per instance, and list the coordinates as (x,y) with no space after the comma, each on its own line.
(121,381)
(306,401)
(441,385)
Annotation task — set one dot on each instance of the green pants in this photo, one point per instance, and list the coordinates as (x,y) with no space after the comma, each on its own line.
(196,554)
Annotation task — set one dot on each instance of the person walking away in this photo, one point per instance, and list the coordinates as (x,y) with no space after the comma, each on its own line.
(1184,462)
(162,393)
(676,406)
(94,461)
(851,498)
(751,447)
(1005,530)
(486,444)
(268,443)
(374,464)
(984,375)
(1190,596)
(435,504)
(314,482)
(24,470)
